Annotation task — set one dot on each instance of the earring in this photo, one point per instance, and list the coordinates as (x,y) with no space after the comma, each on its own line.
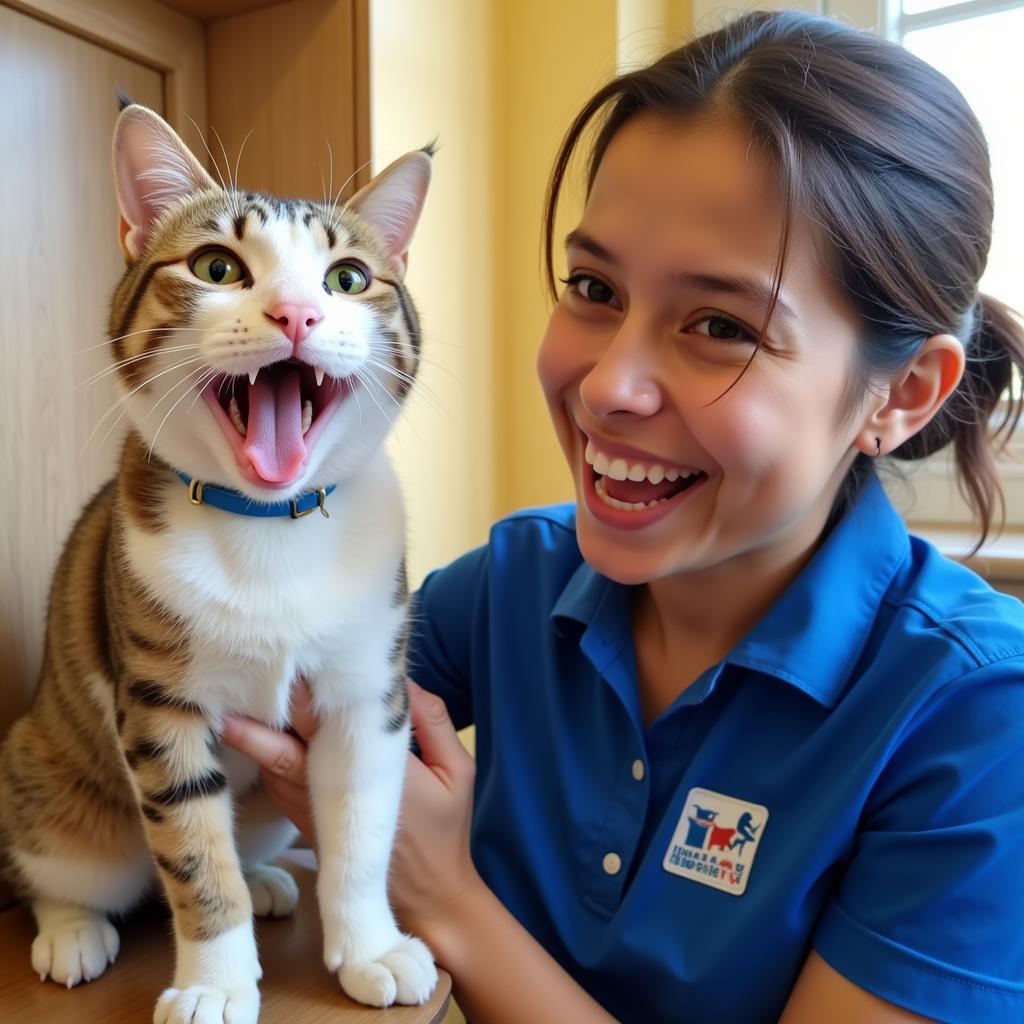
(878,447)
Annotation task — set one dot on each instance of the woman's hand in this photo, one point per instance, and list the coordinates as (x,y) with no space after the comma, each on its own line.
(281,757)
(431,868)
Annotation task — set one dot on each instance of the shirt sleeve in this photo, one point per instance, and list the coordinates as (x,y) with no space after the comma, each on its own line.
(445,613)
(929,914)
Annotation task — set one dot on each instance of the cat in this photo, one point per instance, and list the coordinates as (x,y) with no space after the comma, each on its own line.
(253,534)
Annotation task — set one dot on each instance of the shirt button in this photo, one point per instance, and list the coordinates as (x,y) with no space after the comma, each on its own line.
(612,863)
(638,770)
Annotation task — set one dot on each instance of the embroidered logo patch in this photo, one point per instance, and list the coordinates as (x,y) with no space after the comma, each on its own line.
(716,840)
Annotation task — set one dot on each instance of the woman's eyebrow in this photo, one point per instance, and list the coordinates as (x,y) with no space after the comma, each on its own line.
(579,240)
(750,288)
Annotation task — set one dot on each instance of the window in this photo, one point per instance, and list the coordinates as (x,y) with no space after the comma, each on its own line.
(976,45)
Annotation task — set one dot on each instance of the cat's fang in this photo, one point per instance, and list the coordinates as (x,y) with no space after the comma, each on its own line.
(319,374)
(236,416)
(252,375)
(307,416)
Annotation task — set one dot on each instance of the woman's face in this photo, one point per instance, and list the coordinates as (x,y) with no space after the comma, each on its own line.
(670,272)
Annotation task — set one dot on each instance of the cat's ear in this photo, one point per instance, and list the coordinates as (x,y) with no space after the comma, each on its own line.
(393,202)
(153,169)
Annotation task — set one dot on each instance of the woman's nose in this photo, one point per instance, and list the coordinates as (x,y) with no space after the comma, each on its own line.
(623,379)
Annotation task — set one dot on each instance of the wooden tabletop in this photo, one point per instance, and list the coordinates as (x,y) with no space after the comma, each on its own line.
(296,987)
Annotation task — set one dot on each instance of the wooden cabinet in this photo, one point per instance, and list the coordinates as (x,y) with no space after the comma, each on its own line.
(293,77)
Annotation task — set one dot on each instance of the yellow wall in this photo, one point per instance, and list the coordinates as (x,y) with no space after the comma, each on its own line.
(552,57)
(431,78)
(497,82)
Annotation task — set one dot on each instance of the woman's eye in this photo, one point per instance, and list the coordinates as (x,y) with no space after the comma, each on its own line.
(347,278)
(722,328)
(593,289)
(217,266)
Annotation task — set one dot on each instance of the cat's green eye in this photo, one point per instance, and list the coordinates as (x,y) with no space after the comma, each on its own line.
(217,266)
(347,278)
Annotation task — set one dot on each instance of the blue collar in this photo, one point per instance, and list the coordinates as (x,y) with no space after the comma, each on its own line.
(202,493)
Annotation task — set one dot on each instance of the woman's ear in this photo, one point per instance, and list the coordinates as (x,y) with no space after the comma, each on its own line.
(914,395)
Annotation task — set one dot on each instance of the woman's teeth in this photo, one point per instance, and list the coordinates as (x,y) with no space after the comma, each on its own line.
(626,506)
(620,469)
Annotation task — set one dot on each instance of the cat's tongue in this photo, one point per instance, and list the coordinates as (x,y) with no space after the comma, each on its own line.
(273,439)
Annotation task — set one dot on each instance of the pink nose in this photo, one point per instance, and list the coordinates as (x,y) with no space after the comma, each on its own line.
(296,321)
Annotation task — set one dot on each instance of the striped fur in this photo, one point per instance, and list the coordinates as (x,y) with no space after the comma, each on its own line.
(164,617)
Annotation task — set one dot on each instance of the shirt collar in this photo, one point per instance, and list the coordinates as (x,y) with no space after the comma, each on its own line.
(812,636)
(815,632)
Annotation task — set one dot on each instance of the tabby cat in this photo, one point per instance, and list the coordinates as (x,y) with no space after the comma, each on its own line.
(253,534)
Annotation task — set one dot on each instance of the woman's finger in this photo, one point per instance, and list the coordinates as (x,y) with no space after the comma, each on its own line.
(278,752)
(440,748)
(293,800)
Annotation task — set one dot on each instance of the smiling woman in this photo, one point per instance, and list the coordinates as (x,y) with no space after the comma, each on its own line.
(650,355)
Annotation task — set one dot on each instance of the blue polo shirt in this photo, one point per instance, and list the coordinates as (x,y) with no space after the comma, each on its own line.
(849,779)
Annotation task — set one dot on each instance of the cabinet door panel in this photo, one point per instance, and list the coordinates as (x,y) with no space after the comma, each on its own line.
(59,261)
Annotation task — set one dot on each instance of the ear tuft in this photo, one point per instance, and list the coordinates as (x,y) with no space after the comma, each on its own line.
(153,170)
(393,201)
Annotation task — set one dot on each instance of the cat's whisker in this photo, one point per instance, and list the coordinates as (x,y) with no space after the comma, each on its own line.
(131,334)
(120,416)
(125,398)
(200,385)
(234,183)
(209,153)
(107,370)
(366,381)
(423,360)
(358,170)
(417,388)
(176,384)
(355,394)
(329,191)
(181,398)
(403,411)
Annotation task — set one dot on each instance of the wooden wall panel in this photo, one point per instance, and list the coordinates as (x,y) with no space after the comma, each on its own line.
(148,33)
(59,261)
(292,78)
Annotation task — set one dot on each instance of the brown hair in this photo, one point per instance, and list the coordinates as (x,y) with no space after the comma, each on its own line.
(884,154)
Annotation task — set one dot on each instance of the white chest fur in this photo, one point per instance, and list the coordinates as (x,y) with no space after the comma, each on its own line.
(264,600)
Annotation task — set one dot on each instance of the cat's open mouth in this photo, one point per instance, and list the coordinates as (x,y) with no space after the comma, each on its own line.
(273,422)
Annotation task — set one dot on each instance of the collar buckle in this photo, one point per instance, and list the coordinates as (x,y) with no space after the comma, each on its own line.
(321,503)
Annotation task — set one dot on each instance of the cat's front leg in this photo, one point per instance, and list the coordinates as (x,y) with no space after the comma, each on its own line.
(356,767)
(174,759)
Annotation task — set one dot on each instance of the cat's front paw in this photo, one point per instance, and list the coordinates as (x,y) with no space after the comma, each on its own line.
(404,974)
(203,1004)
(273,890)
(79,948)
